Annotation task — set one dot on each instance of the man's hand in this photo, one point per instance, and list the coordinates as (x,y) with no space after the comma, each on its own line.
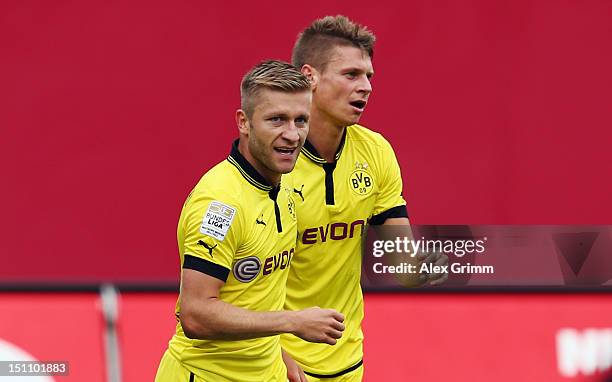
(294,371)
(400,227)
(318,325)
(437,259)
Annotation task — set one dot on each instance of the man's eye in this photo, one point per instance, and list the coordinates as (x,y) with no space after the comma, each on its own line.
(275,119)
(301,121)
(351,75)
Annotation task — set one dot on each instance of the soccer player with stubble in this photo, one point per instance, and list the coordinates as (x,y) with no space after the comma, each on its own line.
(346,177)
(237,235)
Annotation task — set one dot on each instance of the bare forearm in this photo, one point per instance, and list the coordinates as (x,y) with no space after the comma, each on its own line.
(390,231)
(400,227)
(218,320)
(205,316)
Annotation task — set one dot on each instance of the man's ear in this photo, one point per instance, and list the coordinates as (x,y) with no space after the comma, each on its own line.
(243,122)
(312,74)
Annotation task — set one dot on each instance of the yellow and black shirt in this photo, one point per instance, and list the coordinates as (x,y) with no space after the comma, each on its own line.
(237,227)
(334,203)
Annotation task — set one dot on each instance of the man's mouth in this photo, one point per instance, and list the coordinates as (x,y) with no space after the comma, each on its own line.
(359,104)
(285,150)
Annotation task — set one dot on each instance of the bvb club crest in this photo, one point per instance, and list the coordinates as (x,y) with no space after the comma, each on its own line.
(360,180)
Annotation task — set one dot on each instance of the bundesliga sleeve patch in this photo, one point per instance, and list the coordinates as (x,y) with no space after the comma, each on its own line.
(217,220)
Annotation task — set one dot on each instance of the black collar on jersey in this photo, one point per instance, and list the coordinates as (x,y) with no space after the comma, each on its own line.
(247,170)
(256,179)
(311,153)
(273,195)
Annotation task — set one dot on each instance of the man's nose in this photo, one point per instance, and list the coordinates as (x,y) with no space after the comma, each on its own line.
(290,132)
(365,85)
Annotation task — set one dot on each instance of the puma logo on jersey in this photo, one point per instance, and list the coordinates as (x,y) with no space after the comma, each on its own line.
(260,221)
(299,192)
(205,245)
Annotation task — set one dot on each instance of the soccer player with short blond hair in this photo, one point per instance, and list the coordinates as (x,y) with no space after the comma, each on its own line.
(236,238)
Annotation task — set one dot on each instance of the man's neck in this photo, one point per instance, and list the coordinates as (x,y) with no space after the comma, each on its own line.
(325,136)
(272,177)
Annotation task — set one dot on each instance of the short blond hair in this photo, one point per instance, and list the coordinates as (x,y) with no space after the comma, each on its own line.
(315,44)
(270,74)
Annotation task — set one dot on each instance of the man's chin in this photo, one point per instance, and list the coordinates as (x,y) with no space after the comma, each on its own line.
(285,168)
(352,120)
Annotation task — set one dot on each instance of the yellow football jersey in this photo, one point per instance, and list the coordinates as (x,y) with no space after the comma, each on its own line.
(335,201)
(238,228)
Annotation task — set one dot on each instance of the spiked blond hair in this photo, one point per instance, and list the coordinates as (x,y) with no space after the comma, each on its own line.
(271,74)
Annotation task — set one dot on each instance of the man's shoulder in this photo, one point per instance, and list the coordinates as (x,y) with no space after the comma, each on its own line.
(223,179)
(364,135)
(371,142)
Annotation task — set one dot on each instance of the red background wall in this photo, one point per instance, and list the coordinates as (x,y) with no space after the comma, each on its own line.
(110,111)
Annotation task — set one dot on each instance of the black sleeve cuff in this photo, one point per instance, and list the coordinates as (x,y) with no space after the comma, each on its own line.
(395,212)
(207,267)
